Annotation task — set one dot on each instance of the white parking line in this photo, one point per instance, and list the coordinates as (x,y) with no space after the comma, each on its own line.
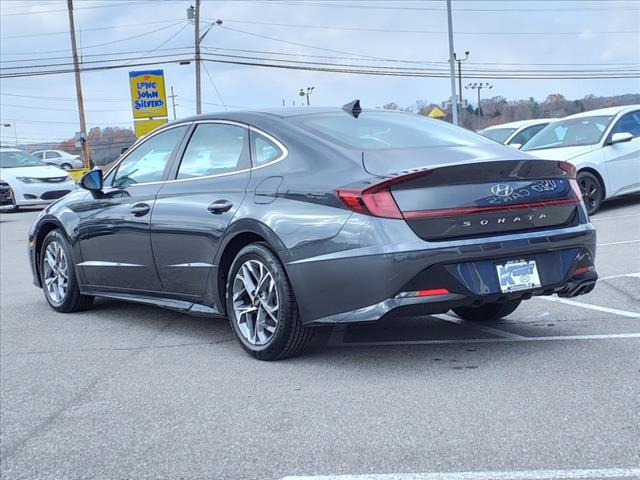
(617,243)
(516,475)
(594,219)
(622,275)
(476,326)
(465,341)
(573,303)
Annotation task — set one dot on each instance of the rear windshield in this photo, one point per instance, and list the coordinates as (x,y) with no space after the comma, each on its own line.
(498,134)
(384,130)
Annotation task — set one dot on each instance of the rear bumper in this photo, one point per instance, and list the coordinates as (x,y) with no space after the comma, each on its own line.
(362,284)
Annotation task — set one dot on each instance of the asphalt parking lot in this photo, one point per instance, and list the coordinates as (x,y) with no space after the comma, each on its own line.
(127,391)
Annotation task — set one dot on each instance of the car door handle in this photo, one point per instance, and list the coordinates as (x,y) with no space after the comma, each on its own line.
(220,206)
(140,209)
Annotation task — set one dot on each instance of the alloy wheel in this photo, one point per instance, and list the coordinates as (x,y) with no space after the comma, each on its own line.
(590,191)
(55,272)
(255,302)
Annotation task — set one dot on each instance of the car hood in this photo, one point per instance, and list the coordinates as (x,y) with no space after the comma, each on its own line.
(45,171)
(563,153)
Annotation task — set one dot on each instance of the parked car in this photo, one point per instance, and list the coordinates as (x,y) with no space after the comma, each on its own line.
(286,219)
(604,146)
(59,158)
(6,196)
(31,181)
(517,133)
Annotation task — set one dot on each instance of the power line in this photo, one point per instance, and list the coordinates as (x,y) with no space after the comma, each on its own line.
(436,9)
(437,32)
(100,44)
(214,85)
(38,12)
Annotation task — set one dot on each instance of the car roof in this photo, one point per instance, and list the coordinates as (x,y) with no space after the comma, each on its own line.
(604,111)
(522,123)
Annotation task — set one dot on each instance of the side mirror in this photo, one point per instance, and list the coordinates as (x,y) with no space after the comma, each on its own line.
(92,181)
(517,146)
(620,137)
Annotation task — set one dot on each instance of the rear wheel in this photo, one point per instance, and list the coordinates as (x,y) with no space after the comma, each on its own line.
(58,275)
(66,166)
(488,311)
(262,307)
(592,191)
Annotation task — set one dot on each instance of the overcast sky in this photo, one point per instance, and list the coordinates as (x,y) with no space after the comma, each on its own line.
(542,32)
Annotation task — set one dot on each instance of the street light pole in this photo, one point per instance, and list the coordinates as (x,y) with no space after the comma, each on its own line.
(452,72)
(197,62)
(479,86)
(173,102)
(460,60)
(307,93)
(15,132)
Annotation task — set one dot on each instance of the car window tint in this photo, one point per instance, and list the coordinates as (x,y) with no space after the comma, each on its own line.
(147,162)
(629,123)
(387,130)
(497,134)
(215,148)
(526,134)
(53,155)
(264,150)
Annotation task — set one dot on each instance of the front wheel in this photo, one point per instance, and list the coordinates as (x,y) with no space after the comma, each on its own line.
(262,307)
(58,275)
(488,311)
(592,191)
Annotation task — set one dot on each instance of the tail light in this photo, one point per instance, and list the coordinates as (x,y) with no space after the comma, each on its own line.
(376,199)
(571,170)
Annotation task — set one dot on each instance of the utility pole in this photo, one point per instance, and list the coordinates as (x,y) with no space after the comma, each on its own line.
(479,86)
(197,40)
(452,68)
(460,60)
(306,94)
(173,102)
(76,69)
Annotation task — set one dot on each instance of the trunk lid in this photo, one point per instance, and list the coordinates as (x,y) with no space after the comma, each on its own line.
(470,196)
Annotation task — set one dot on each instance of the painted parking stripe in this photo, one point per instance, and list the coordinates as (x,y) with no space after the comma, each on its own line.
(622,275)
(465,341)
(573,303)
(617,243)
(614,217)
(516,475)
(476,326)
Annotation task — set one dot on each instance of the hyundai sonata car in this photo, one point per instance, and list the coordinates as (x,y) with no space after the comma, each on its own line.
(603,145)
(31,182)
(283,220)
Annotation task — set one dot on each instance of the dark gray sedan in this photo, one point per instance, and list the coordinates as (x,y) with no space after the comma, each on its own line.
(282,220)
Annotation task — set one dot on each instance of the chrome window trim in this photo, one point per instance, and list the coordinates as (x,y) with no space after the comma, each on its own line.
(278,143)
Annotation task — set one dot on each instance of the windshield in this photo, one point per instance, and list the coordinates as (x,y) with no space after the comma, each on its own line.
(16,158)
(383,130)
(497,134)
(570,133)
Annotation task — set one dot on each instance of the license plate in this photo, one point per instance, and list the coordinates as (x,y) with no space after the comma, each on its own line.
(518,275)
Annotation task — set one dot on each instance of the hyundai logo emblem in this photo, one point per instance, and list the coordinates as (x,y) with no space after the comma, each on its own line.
(502,190)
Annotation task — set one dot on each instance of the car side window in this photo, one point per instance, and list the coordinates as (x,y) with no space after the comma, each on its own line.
(629,123)
(214,149)
(53,155)
(147,162)
(39,155)
(263,150)
(526,134)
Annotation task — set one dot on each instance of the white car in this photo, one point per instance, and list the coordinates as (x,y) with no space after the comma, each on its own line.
(517,133)
(604,146)
(31,181)
(59,158)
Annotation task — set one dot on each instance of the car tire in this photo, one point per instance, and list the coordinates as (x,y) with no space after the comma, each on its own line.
(592,191)
(488,311)
(66,166)
(56,260)
(262,334)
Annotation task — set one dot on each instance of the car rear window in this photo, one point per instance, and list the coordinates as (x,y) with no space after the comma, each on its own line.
(385,130)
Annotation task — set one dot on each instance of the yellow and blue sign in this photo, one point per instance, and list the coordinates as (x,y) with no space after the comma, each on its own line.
(148,98)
